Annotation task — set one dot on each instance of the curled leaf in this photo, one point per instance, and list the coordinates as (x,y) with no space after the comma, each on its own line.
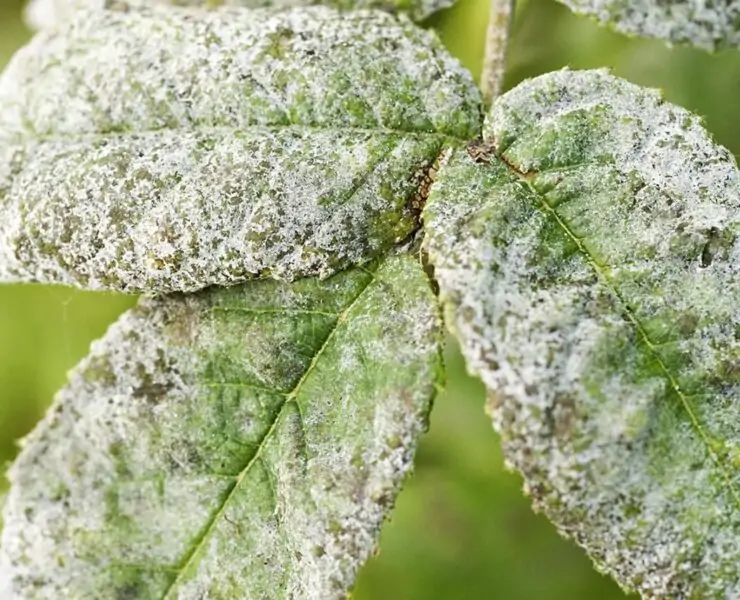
(587,252)
(236,443)
(707,25)
(170,149)
(46,13)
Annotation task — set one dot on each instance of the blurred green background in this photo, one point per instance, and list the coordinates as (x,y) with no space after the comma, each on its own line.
(461,529)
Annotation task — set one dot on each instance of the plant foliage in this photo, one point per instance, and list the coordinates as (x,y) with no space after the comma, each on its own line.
(293,186)
(588,263)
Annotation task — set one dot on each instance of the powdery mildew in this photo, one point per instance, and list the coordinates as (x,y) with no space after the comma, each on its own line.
(46,13)
(237,443)
(590,270)
(168,149)
(707,24)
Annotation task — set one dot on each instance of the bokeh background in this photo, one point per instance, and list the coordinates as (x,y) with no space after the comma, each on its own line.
(462,528)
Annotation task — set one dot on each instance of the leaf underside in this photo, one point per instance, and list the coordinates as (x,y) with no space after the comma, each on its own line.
(169,149)
(236,443)
(46,13)
(710,25)
(587,254)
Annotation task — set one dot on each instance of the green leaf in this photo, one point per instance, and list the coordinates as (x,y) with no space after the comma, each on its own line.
(237,443)
(707,25)
(587,252)
(170,149)
(45,13)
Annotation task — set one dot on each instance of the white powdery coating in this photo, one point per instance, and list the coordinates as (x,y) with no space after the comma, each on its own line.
(589,269)
(707,24)
(46,13)
(186,68)
(180,211)
(653,138)
(218,446)
(169,149)
(667,199)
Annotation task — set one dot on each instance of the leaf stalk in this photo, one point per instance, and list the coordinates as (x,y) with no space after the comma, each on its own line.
(500,17)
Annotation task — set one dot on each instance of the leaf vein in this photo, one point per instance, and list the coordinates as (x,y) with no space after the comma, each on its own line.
(200,542)
(115,134)
(273,311)
(548,209)
(243,385)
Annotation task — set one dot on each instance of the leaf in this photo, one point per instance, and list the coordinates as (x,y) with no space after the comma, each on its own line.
(587,253)
(171,149)
(707,25)
(237,443)
(46,13)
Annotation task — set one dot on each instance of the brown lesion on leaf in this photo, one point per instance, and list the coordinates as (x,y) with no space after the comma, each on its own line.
(480,151)
(424,177)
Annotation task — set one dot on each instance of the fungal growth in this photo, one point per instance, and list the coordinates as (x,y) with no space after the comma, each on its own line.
(123,170)
(706,24)
(302,189)
(46,13)
(237,443)
(591,274)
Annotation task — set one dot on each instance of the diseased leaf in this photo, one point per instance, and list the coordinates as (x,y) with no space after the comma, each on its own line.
(45,13)
(710,25)
(171,149)
(587,252)
(237,443)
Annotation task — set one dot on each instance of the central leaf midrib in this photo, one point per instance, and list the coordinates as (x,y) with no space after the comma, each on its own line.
(548,209)
(200,542)
(22,136)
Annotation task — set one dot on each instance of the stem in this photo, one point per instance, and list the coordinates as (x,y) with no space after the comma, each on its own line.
(494,59)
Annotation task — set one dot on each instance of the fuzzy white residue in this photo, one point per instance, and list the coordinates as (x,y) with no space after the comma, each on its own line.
(706,24)
(220,445)
(169,149)
(40,14)
(588,264)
